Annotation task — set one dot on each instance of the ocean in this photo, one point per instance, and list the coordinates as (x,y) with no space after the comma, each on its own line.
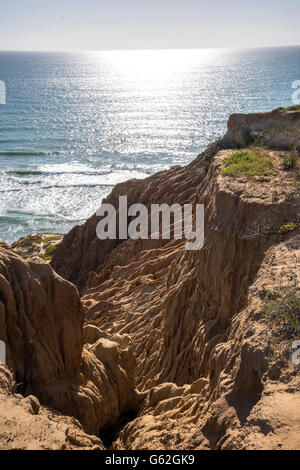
(75,124)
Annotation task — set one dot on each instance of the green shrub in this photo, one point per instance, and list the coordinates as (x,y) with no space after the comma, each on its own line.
(49,252)
(295,107)
(287,228)
(284,311)
(253,161)
(290,160)
(249,139)
(241,142)
(50,239)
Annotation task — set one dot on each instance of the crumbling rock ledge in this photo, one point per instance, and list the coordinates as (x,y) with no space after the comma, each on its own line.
(278,129)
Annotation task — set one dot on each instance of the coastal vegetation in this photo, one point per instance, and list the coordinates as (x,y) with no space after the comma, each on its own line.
(39,245)
(295,107)
(283,310)
(290,160)
(252,161)
(49,252)
(287,228)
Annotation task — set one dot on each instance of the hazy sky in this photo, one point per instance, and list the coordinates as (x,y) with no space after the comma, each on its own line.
(147,24)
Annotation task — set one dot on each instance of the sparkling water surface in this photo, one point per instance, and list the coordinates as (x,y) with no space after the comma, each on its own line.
(75,124)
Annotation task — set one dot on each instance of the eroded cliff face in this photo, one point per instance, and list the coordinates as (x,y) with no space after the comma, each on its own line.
(205,359)
(206,362)
(41,324)
(209,371)
(248,394)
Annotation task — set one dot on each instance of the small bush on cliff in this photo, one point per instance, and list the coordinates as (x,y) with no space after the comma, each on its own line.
(49,252)
(287,228)
(290,160)
(295,107)
(241,142)
(249,138)
(253,161)
(283,310)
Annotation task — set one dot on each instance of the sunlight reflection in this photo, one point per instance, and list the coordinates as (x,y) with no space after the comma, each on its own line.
(154,68)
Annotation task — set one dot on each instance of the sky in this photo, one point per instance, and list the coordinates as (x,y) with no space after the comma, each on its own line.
(72,25)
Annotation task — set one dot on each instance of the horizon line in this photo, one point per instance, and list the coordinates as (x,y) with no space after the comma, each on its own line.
(151,49)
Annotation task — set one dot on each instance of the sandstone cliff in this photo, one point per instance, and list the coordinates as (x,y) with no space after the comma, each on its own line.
(204,352)
(210,370)
(41,324)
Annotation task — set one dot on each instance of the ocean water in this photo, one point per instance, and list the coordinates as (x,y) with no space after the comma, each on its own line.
(75,124)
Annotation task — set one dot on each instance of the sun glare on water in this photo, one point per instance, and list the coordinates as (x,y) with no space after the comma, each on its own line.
(154,67)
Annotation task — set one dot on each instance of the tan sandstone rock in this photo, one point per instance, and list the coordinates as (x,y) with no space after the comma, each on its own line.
(41,320)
